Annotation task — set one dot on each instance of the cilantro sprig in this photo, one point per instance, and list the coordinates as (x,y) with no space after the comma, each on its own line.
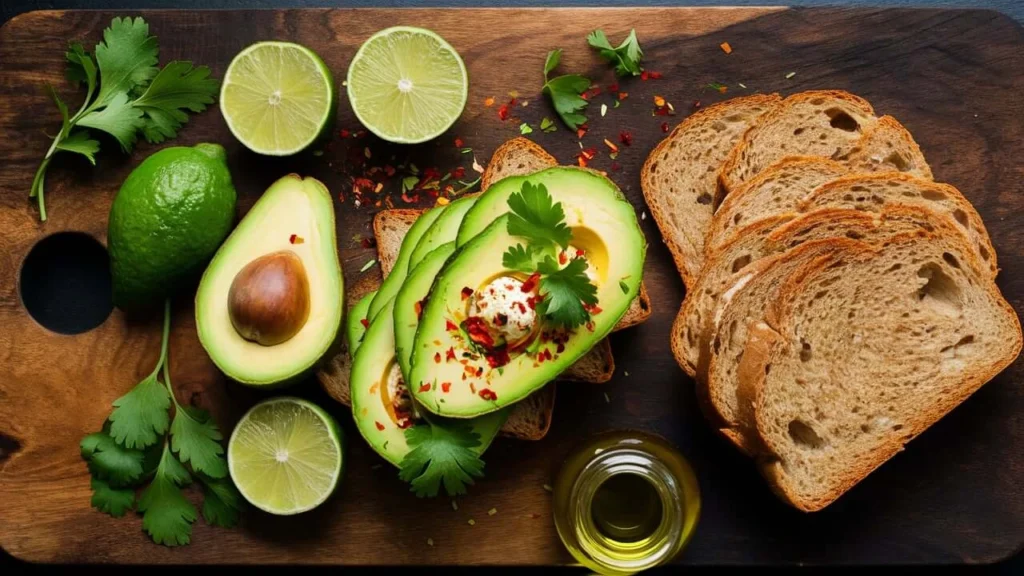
(626,56)
(565,92)
(442,454)
(141,443)
(567,290)
(126,94)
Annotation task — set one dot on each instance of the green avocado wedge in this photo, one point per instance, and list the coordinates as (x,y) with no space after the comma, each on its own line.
(372,404)
(394,281)
(354,327)
(442,230)
(409,301)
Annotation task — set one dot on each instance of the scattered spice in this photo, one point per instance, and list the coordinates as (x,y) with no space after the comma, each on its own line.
(446,387)
(623,95)
(450,326)
(616,104)
(525,129)
(626,373)
(455,505)
(366,152)
(437,360)
(368,265)
(607,400)
(489,101)
(379,426)
(790,75)
(471,522)
(659,101)
(626,137)
(477,167)
(611,146)
(548,487)
(741,85)
(364,322)
(425,387)
(604,110)
(488,394)
(725,47)
(582,131)
(548,125)
(718,86)
(466,292)
(430,541)
(492,511)
(503,112)
(295,239)
(664,127)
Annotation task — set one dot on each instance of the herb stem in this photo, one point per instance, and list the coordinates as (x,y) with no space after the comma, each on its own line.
(163,364)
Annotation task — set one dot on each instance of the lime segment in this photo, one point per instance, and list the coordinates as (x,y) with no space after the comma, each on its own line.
(285,456)
(277,98)
(407,84)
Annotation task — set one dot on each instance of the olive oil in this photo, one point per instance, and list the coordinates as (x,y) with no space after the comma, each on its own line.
(625,501)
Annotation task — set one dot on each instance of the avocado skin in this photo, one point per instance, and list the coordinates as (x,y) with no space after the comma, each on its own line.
(167,220)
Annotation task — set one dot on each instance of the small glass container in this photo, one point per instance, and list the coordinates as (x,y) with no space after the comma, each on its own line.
(625,501)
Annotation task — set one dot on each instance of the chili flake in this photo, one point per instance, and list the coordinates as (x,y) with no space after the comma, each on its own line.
(488,394)
(645,75)
(458,142)
(612,89)
(364,322)
(344,133)
(477,330)
(489,101)
(604,110)
(477,167)
(503,112)
(450,354)
(379,426)
(492,511)
(437,357)
(626,137)
(466,292)
(295,239)
(446,387)
(654,75)
(725,47)
(442,201)
(611,145)
(498,358)
(450,326)
(582,131)
(562,259)
(531,282)
(616,166)
(659,101)
(623,95)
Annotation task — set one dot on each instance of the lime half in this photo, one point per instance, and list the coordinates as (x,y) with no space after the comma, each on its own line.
(407,85)
(277,98)
(285,456)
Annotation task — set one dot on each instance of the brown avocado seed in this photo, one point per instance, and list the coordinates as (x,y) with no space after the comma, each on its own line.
(268,302)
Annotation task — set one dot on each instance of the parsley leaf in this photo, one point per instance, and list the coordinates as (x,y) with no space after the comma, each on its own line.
(565,92)
(196,439)
(80,142)
(109,500)
(626,56)
(537,217)
(221,502)
(565,291)
(81,67)
(178,86)
(167,516)
(520,258)
(441,454)
(118,118)
(141,415)
(127,58)
(110,461)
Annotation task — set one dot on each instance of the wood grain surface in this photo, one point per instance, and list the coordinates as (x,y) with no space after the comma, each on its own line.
(955,78)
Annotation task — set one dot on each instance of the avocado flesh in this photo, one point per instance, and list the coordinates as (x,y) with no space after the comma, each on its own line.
(354,328)
(369,389)
(604,224)
(291,206)
(394,281)
(414,291)
(443,229)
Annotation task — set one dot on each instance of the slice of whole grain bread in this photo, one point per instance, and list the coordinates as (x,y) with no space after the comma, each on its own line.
(866,348)
(679,177)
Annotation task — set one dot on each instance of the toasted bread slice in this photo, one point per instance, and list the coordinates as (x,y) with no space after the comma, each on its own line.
(679,177)
(520,156)
(827,123)
(866,348)
(888,147)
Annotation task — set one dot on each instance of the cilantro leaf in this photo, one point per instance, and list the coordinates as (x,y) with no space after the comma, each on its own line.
(80,143)
(178,86)
(109,500)
(196,440)
(167,516)
(520,258)
(110,461)
(565,92)
(141,415)
(626,56)
(537,217)
(127,58)
(221,502)
(118,118)
(565,292)
(441,454)
(81,67)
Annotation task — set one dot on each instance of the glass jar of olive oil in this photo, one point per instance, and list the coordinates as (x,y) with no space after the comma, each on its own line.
(625,501)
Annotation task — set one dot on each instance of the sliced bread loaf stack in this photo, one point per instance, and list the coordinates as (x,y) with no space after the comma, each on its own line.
(838,300)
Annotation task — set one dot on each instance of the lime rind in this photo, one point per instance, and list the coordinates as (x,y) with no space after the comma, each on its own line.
(286,456)
(278,98)
(407,85)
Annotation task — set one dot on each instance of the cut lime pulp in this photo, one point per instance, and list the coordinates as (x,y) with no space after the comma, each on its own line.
(277,98)
(285,456)
(407,85)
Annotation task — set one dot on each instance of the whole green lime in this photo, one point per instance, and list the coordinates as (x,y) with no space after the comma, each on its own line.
(168,219)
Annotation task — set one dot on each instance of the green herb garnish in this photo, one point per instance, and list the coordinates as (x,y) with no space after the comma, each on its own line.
(537,217)
(565,92)
(441,455)
(565,292)
(626,56)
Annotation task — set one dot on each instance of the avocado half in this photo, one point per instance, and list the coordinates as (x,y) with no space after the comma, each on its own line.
(295,215)
(443,230)
(371,406)
(604,224)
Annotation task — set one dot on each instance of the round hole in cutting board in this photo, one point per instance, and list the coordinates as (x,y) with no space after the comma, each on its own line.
(65,283)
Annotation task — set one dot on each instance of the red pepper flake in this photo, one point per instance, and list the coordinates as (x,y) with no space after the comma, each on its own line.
(364,322)
(562,258)
(623,95)
(379,426)
(437,359)
(695,105)
(472,388)
(664,127)
(425,387)
(547,353)
(520,306)
(450,326)
(450,354)
(466,292)
(581,131)
(589,153)
(613,88)
(344,133)
(654,75)
(616,167)
(477,330)
(645,75)
(295,239)
(368,242)
(458,142)
(488,394)
(503,112)
(531,282)
(590,325)
(611,146)
(581,161)
(580,253)
(498,358)
(489,101)
(626,137)
(479,371)
(725,47)
(560,348)
(659,101)
(418,307)
(592,308)
(459,172)
(532,301)
(389,170)
(446,387)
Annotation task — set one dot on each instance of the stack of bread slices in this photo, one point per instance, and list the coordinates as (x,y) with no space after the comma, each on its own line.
(839,300)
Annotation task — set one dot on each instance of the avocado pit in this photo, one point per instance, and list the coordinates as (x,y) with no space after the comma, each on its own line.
(268,302)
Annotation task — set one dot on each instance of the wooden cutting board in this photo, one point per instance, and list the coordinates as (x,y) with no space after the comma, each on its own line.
(955,78)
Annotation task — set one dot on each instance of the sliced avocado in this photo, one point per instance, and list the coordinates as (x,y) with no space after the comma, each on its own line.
(355,326)
(393,282)
(410,300)
(442,230)
(276,276)
(604,230)
(372,405)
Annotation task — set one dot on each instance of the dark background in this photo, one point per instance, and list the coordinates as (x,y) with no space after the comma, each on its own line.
(11,8)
